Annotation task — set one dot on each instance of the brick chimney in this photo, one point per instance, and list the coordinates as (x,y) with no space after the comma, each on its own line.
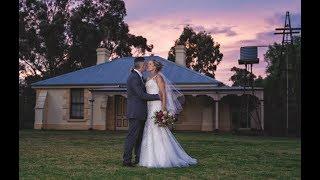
(180,55)
(103,55)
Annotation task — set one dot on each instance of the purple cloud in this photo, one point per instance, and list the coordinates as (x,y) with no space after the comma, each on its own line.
(225,30)
(262,38)
(217,30)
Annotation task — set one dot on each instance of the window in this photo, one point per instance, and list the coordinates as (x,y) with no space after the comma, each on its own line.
(76,109)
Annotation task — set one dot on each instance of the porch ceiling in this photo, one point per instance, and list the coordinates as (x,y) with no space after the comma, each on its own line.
(212,91)
(184,88)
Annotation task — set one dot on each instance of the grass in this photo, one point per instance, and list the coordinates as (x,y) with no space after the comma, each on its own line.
(98,155)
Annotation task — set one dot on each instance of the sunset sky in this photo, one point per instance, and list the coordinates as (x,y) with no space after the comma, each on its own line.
(232,23)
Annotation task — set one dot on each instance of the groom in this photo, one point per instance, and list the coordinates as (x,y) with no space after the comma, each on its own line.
(136,111)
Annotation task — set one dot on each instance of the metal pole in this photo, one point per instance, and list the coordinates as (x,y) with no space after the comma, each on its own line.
(91,125)
(25,101)
(248,99)
(252,85)
(91,122)
(22,112)
(287,71)
(217,115)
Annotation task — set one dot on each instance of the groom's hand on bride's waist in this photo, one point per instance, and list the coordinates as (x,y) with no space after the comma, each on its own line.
(159,97)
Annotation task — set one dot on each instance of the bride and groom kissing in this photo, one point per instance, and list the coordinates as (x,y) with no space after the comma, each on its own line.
(154,146)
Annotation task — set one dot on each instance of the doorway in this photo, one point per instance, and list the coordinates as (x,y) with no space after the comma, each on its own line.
(120,113)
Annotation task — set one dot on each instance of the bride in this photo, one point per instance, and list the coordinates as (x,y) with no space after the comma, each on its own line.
(159,148)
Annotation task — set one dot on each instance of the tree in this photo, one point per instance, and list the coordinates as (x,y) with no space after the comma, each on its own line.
(259,82)
(275,83)
(276,57)
(202,53)
(56,37)
(242,77)
(102,24)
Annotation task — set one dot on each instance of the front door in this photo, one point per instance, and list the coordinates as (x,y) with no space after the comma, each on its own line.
(121,110)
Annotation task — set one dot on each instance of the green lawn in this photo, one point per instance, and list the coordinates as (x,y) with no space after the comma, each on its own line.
(98,155)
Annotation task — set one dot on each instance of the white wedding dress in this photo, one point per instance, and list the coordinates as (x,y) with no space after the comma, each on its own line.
(159,148)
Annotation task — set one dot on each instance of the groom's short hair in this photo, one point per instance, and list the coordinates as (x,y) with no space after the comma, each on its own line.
(138,62)
(139,59)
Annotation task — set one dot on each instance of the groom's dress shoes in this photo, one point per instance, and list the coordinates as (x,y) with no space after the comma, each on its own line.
(128,164)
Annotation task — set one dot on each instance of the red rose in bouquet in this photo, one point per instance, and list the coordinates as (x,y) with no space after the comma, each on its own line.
(163,118)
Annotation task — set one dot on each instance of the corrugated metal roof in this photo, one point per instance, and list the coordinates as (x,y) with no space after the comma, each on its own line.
(117,71)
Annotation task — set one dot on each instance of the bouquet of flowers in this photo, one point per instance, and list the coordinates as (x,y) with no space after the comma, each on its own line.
(163,118)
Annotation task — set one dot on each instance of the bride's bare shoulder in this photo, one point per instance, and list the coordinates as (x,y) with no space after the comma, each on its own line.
(159,78)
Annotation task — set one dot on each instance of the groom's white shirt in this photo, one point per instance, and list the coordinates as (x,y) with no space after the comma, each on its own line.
(138,72)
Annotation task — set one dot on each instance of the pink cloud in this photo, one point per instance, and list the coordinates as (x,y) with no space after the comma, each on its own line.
(231,28)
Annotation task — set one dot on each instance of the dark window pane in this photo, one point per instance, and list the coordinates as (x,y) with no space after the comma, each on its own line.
(81,96)
(73,98)
(78,110)
(77,103)
(119,122)
(81,110)
(125,123)
(73,111)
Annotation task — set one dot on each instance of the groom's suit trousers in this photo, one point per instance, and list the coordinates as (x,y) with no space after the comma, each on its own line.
(133,140)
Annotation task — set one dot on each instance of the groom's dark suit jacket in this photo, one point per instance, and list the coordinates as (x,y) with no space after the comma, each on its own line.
(137,97)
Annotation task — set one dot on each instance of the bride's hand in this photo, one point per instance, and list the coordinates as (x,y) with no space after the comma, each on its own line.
(164,108)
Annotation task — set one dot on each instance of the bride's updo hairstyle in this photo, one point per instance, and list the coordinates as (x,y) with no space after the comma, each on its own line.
(158,65)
